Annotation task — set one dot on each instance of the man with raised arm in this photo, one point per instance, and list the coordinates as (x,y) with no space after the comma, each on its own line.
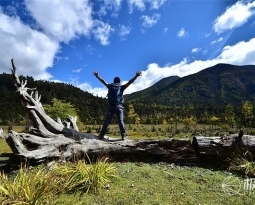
(115,103)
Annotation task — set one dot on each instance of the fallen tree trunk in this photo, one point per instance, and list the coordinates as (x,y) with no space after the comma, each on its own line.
(37,149)
(223,148)
(50,139)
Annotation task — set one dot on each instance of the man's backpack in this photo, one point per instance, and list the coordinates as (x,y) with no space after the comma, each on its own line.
(115,96)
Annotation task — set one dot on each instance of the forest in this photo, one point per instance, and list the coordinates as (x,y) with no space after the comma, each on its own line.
(230,104)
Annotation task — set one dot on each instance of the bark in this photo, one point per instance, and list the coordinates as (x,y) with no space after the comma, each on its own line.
(50,139)
(37,149)
(223,148)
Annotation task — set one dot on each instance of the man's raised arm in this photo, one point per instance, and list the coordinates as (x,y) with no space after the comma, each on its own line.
(100,79)
(138,73)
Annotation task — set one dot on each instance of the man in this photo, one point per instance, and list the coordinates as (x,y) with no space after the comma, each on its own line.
(115,103)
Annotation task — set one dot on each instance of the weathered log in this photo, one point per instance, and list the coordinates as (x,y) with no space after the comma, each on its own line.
(37,149)
(50,139)
(223,148)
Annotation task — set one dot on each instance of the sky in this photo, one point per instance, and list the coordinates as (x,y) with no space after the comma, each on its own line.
(66,40)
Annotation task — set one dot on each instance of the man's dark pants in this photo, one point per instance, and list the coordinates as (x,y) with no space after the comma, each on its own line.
(119,111)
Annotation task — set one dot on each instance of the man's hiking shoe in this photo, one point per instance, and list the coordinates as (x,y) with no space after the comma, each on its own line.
(101,137)
(124,137)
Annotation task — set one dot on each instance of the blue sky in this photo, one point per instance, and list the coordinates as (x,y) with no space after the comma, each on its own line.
(66,41)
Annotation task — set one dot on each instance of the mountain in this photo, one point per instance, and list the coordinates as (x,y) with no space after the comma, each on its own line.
(152,90)
(217,85)
(212,87)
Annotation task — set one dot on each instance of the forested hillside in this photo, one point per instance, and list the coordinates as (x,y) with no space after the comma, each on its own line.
(91,109)
(153,90)
(218,85)
(219,94)
(222,93)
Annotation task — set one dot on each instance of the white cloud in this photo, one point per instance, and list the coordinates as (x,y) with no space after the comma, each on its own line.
(182,33)
(139,4)
(195,50)
(235,16)
(102,32)
(124,31)
(229,54)
(165,29)
(64,20)
(33,52)
(115,5)
(101,92)
(232,54)
(150,21)
(217,41)
(154,73)
(112,5)
(156,4)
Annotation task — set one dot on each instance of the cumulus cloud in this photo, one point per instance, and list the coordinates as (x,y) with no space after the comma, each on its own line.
(154,73)
(101,92)
(34,50)
(234,16)
(150,21)
(31,50)
(229,54)
(64,20)
(232,54)
(182,33)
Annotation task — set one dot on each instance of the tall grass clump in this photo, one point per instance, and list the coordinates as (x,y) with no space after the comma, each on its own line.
(243,162)
(85,177)
(41,184)
(29,186)
(100,174)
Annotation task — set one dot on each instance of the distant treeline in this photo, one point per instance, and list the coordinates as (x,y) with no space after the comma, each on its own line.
(91,109)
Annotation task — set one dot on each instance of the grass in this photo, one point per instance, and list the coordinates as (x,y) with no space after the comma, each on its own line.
(26,187)
(160,183)
(163,184)
(41,185)
(4,148)
(160,131)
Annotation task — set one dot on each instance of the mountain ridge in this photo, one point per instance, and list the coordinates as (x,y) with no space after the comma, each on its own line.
(221,83)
